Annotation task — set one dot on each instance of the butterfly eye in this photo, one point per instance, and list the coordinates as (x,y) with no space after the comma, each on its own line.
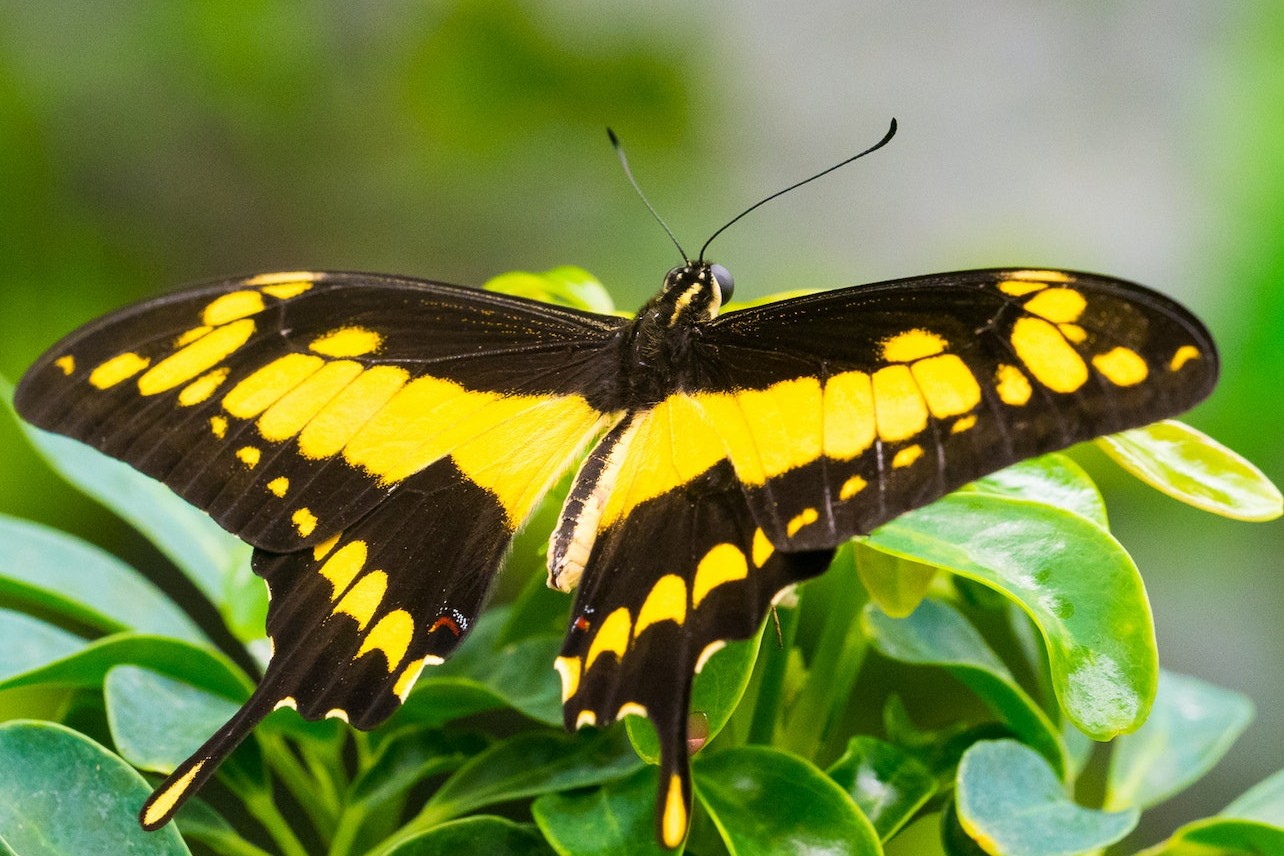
(726,285)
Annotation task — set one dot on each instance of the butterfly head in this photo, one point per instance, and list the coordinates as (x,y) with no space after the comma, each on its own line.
(696,291)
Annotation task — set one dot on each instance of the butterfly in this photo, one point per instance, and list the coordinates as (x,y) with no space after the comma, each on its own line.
(379,440)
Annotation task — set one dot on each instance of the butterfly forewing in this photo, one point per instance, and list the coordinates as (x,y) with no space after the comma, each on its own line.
(844,409)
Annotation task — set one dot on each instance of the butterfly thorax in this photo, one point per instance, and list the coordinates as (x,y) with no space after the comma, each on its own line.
(658,350)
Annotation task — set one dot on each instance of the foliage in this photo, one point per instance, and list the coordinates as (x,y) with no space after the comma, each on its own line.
(1013,587)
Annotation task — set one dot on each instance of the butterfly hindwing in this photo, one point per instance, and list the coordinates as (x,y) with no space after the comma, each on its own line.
(687,572)
(844,409)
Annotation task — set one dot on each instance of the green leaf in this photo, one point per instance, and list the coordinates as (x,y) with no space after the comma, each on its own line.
(62,793)
(1192,467)
(61,573)
(563,286)
(714,694)
(527,765)
(1190,728)
(28,643)
(1263,802)
(617,818)
(475,836)
(157,721)
(87,667)
(1051,479)
(407,758)
(887,784)
(1074,580)
(188,536)
(898,585)
(198,822)
(1011,803)
(937,634)
(765,801)
(519,675)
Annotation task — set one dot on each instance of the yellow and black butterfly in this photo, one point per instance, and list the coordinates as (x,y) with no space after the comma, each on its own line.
(378,440)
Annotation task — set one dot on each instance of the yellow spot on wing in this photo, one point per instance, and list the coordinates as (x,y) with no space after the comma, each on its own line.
(674,820)
(296,408)
(786,423)
(1121,366)
(325,547)
(363,599)
(406,681)
(190,336)
(1042,275)
(249,455)
(851,487)
(1060,305)
(218,425)
(266,385)
(390,636)
(806,517)
(907,456)
(347,342)
(762,548)
(279,485)
(899,409)
(1183,355)
(912,345)
(1018,287)
(963,424)
(849,415)
(1073,332)
(724,563)
(612,637)
(1048,355)
(191,360)
(569,669)
(67,363)
(340,419)
(304,521)
(231,306)
(947,384)
(118,368)
(631,708)
(286,290)
(202,388)
(163,803)
(666,602)
(1012,385)
(586,717)
(293,277)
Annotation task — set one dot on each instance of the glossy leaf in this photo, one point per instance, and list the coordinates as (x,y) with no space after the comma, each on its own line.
(89,666)
(765,801)
(527,765)
(716,692)
(617,818)
(62,793)
(60,573)
(938,635)
(157,721)
(1074,580)
(1172,457)
(29,643)
(1010,802)
(567,285)
(898,585)
(1190,728)
(886,783)
(188,536)
(1051,479)
(475,836)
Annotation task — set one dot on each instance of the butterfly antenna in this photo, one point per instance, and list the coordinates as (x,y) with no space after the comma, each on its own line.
(891,132)
(624,162)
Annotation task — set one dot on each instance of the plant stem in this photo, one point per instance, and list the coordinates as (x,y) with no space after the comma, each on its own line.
(315,797)
(263,808)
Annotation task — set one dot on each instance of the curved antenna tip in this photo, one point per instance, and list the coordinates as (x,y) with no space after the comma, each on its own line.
(615,141)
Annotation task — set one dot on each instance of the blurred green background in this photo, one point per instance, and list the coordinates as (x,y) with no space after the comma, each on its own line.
(144,145)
